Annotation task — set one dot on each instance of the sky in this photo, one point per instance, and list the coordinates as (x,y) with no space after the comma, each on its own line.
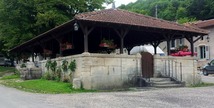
(119,2)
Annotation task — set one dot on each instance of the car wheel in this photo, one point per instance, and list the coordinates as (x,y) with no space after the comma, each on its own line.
(205,72)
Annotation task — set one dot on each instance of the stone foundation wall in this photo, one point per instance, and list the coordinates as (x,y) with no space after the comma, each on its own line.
(181,68)
(103,71)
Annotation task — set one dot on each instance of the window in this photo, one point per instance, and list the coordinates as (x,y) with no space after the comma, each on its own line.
(203,52)
(212,63)
(181,41)
(172,43)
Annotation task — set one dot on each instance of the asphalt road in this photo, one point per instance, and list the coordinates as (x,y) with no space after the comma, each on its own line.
(161,98)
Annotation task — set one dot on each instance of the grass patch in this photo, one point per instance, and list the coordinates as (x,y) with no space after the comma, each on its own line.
(203,84)
(4,70)
(13,76)
(36,86)
(40,85)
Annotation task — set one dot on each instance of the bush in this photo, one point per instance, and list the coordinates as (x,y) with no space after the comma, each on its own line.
(47,76)
(23,66)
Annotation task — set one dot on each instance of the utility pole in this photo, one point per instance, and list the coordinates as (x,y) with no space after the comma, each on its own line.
(113,5)
(156,11)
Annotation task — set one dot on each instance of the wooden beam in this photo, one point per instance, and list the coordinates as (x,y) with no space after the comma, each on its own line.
(190,39)
(86,31)
(122,33)
(168,38)
(155,45)
(197,39)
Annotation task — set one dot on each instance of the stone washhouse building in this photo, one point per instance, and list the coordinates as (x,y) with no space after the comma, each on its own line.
(98,66)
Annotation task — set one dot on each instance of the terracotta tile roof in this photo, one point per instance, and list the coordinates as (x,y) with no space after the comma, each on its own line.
(118,16)
(203,24)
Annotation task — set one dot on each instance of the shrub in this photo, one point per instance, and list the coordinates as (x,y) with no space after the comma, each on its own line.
(72,66)
(65,65)
(53,66)
(48,64)
(23,65)
(47,76)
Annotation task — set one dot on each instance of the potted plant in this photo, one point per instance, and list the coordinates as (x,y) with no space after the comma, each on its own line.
(47,52)
(107,43)
(183,48)
(68,45)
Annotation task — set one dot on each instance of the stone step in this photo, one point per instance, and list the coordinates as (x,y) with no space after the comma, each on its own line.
(168,85)
(164,83)
(159,79)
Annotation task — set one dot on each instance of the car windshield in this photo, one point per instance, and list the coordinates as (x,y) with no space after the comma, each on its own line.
(212,63)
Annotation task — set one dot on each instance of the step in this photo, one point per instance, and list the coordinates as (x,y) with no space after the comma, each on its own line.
(168,86)
(164,82)
(159,79)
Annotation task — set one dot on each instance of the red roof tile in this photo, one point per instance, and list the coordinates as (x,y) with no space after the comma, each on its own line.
(125,17)
(203,24)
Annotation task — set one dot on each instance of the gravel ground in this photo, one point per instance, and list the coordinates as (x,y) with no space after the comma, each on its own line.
(208,79)
(142,98)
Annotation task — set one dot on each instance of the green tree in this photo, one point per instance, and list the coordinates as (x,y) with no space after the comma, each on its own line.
(21,20)
(174,10)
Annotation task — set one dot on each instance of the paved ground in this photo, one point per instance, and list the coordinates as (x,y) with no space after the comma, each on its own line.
(162,98)
(208,79)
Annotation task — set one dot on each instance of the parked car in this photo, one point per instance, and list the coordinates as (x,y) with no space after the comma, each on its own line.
(209,68)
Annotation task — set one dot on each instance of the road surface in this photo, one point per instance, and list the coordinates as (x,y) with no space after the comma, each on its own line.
(161,98)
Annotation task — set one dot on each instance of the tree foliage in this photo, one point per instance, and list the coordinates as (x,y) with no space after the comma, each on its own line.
(21,20)
(174,10)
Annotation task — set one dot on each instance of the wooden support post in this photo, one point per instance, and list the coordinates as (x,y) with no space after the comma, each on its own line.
(190,39)
(168,47)
(192,47)
(59,42)
(155,45)
(86,31)
(32,54)
(122,33)
(168,38)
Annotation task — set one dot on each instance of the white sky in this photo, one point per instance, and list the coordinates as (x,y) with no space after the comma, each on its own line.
(119,2)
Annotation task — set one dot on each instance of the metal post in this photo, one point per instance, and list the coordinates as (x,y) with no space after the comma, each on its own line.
(165,69)
(181,71)
(176,70)
(172,69)
(169,68)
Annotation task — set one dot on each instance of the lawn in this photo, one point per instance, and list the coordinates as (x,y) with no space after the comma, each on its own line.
(12,79)
(39,85)
(5,70)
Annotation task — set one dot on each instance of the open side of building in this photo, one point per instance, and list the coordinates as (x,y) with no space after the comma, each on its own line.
(83,39)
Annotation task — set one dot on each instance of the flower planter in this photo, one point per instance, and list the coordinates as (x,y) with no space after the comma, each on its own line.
(104,45)
(68,46)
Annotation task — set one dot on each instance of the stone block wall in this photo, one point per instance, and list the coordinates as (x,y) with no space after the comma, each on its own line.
(181,68)
(103,71)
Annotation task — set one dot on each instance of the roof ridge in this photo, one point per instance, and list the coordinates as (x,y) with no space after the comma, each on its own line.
(158,19)
(88,14)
